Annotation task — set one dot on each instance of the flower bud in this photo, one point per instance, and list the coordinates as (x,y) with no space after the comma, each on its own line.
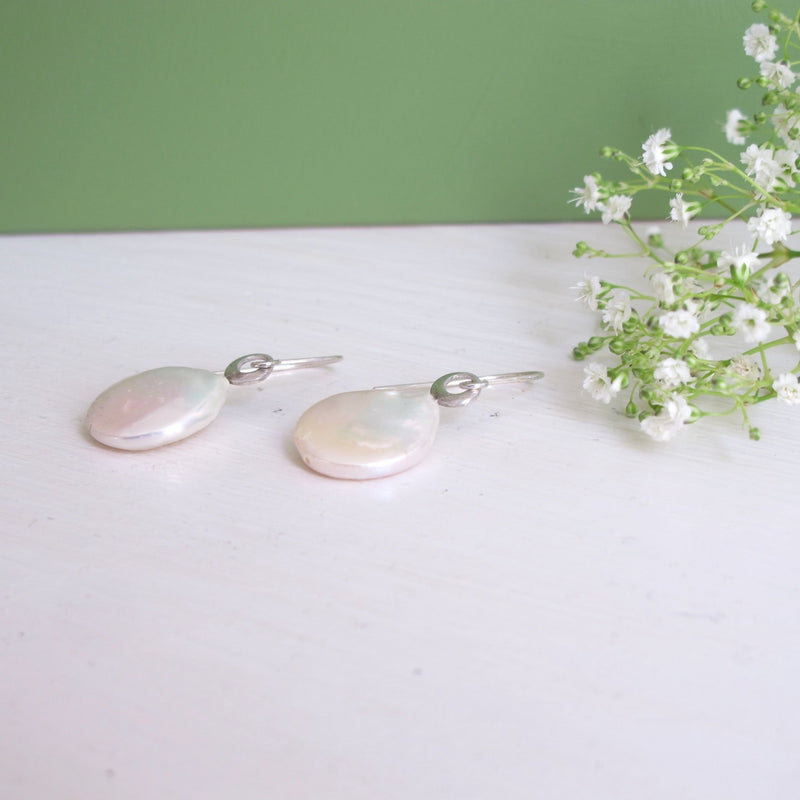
(709,232)
(655,239)
(581,248)
(595,343)
(579,352)
(682,257)
(631,410)
(758,5)
(607,152)
(755,434)
(760,117)
(648,395)
(770,99)
(744,83)
(719,385)
(617,346)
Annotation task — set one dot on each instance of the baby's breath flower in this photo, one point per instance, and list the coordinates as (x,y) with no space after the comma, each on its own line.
(739,262)
(732,127)
(771,224)
(615,208)
(667,423)
(663,288)
(785,122)
(771,290)
(700,348)
(778,73)
(588,195)
(681,211)
(599,383)
(787,388)
(681,323)
(672,373)
(787,160)
(745,368)
(655,155)
(760,162)
(759,42)
(739,257)
(588,290)
(617,310)
(752,322)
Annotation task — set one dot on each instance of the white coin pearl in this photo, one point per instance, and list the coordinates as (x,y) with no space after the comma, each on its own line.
(156,407)
(367,434)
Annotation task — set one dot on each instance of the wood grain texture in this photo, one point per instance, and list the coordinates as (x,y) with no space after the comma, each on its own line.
(550,606)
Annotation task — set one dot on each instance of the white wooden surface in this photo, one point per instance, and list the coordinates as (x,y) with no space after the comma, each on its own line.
(551,606)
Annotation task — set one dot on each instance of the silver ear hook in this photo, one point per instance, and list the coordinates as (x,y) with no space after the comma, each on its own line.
(469,386)
(258,367)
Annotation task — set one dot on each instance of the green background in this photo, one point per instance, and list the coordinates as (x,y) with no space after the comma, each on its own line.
(135,114)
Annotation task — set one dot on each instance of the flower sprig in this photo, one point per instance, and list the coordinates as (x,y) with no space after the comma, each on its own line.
(702,338)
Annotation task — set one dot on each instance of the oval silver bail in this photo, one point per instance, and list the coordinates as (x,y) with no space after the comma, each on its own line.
(253,368)
(469,387)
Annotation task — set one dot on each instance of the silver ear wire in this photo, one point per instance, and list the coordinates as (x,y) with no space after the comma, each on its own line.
(258,367)
(469,386)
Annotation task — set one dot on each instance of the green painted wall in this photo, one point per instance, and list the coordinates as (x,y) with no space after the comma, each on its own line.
(137,114)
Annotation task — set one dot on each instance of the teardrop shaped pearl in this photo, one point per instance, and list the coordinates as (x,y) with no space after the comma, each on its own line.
(156,407)
(367,434)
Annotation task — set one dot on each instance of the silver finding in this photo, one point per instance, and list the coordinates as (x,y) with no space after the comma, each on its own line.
(469,386)
(257,367)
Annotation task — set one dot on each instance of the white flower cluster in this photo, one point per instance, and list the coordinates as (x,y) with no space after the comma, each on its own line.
(662,339)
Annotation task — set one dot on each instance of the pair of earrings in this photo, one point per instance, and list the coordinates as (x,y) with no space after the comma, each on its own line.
(356,435)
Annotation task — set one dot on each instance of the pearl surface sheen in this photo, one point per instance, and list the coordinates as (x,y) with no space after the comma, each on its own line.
(367,434)
(156,407)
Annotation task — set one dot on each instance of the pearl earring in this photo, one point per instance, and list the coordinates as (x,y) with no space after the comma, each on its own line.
(385,430)
(164,405)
